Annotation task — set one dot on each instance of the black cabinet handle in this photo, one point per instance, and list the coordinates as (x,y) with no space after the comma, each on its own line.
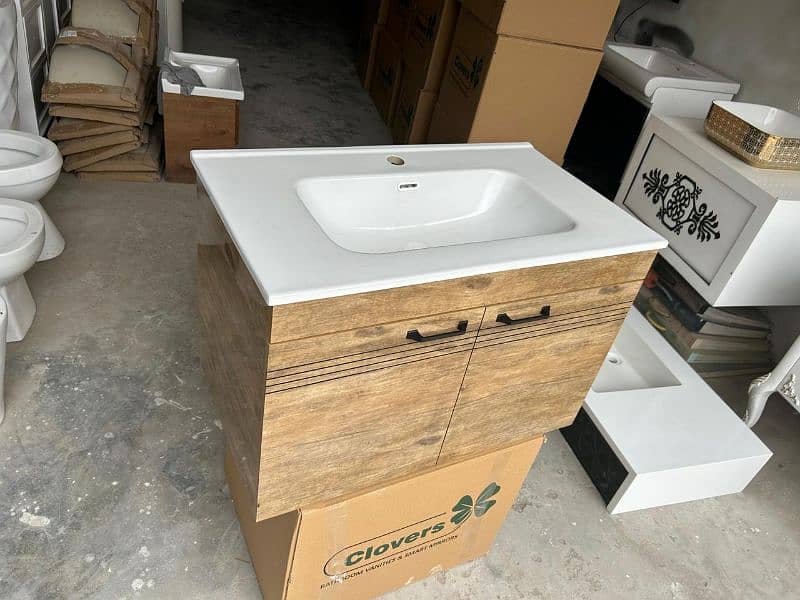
(543,314)
(415,335)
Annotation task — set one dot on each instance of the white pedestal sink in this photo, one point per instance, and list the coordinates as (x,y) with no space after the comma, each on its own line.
(652,433)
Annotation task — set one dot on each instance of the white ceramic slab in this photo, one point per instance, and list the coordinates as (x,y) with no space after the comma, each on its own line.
(676,438)
(646,69)
(257,194)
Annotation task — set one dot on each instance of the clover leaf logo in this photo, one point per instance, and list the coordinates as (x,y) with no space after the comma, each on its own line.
(465,507)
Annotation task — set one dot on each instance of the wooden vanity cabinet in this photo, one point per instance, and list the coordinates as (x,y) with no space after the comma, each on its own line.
(324,398)
(532,366)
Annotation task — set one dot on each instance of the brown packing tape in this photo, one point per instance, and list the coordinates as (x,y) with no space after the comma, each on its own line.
(76,161)
(146,158)
(144,37)
(67,128)
(77,145)
(129,96)
(132,176)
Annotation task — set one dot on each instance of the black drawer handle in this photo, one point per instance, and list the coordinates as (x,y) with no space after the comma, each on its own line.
(415,335)
(543,314)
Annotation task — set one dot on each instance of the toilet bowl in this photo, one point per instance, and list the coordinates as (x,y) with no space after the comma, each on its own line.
(22,236)
(29,166)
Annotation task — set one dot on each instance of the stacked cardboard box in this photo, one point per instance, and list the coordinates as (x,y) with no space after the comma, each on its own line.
(520,70)
(374,14)
(425,50)
(384,85)
(101,90)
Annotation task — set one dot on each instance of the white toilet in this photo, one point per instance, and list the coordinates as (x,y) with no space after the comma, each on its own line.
(22,234)
(29,166)
(21,240)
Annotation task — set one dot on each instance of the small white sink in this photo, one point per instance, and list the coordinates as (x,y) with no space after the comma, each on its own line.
(632,365)
(395,213)
(646,69)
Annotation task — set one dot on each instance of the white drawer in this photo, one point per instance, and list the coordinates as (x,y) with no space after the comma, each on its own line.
(700,216)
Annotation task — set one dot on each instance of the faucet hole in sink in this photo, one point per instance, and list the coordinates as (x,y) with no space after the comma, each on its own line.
(395,160)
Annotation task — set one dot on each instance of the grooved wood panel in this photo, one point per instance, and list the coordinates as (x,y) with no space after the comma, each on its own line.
(318,317)
(366,342)
(193,123)
(326,440)
(234,322)
(521,386)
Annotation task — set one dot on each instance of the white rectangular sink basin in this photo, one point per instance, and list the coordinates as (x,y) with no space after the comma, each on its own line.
(428,210)
(632,365)
(645,69)
(322,222)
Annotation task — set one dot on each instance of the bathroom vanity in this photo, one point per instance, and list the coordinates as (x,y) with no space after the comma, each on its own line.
(731,227)
(370,313)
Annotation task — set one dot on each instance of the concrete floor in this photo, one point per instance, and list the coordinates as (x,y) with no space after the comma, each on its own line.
(111,479)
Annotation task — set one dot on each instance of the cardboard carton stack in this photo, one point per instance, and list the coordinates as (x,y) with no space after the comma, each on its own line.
(101,91)
(425,50)
(520,70)
(374,14)
(388,64)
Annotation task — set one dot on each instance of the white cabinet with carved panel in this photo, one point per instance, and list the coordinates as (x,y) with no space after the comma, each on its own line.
(733,230)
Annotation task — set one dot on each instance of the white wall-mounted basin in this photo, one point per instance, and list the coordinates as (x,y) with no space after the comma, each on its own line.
(428,210)
(645,69)
(322,222)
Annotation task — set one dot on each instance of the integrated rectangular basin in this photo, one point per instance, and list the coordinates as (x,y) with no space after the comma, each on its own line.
(415,210)
(632,365)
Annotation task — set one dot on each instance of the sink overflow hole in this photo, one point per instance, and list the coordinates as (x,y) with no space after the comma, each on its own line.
(396,161)
(614,359)
(407,186)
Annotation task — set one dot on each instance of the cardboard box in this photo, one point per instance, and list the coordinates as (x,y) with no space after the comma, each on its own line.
(367,46)
(398,19)
(385,82)
(427,44)
(504,89)
(412,116)
(371,543)
(375,12)
(583,23)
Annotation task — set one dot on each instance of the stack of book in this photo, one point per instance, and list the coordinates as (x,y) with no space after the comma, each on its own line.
(717,342)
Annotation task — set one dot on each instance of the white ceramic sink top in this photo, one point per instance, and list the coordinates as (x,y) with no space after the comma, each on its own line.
(657,412)
(323,222)
(646,69)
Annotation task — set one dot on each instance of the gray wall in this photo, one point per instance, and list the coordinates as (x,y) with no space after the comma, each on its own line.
(756,42)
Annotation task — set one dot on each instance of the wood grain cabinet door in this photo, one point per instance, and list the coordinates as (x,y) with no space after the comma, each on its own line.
(353,409)
(532,366)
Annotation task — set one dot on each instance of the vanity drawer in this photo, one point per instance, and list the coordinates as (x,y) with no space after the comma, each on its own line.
(699,215)
(325,357)
(557,310)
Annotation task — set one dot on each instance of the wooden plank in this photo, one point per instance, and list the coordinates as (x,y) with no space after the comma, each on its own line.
(234,324)
(318,317)
(338,437)
(196,122)
(520,389)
